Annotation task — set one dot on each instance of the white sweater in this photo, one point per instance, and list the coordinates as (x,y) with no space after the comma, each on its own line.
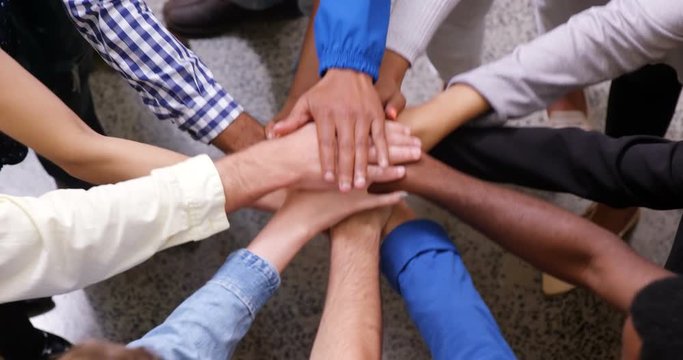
(596,45)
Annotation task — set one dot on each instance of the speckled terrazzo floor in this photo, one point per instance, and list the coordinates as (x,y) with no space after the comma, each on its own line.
(254,62)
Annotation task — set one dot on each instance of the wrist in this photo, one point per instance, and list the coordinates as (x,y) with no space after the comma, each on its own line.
(243,132)
(345,74)
(394,67)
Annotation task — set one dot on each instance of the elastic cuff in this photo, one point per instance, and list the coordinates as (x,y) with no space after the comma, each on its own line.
(252,279)
(350,59)
(408,241)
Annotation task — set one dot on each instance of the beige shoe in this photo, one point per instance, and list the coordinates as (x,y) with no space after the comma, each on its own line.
(560,119)
(554,286)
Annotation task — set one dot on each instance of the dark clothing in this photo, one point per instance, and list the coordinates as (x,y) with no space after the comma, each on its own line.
(40,36)
(642,102)
(628,171)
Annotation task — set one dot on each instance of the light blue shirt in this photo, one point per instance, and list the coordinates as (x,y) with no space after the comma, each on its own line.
(211,322)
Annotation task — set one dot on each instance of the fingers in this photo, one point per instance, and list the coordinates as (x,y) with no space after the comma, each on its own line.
(398,154)
(385,174)
(299,116)
(396,127)
(327,146)
(346,130)
(395,105)
(361,160)
(376,201)
(380,141)
(401,139)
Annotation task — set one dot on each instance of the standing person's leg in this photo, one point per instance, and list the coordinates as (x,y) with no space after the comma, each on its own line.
(425,268)
(572,109)
(19,340)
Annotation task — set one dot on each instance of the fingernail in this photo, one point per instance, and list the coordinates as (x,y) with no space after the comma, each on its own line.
(269,135)
(401,170)
(360,182)
(417,142)
(329,176)
(344,186)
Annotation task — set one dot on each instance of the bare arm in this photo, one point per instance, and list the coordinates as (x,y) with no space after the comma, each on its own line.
(43,123)
(550,238)
(351,325)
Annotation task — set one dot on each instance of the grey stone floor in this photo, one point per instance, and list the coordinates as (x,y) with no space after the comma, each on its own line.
(255,63)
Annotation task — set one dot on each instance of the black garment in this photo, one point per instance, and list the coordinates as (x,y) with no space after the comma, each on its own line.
(642,102)
(629,171)
(51,49)
(41,37)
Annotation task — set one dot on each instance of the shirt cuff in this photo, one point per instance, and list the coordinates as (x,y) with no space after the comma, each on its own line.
(200,192)
(361,61)
(252,279)
(408,241)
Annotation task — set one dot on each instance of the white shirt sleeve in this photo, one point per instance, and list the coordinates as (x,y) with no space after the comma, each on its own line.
(413,24)
(69,239)
(595,45)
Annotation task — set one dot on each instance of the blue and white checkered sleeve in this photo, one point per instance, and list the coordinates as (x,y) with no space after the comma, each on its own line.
(171,80)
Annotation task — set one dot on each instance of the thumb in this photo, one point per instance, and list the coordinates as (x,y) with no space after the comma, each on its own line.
(395,105)
(299,116)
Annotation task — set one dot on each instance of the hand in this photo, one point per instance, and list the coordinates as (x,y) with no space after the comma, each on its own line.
(313,209)
(346,109)
(388,86)
(305,214)
(298,153)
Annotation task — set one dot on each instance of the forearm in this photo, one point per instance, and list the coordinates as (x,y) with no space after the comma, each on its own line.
(210,323)
(170,79)
(595,45)
(445,113)
(68,239)
(351,324)
(45,124)
(550,238)
(254,172)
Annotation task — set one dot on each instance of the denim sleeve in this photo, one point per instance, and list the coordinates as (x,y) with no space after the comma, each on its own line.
(352,34)
(425,268)
(210,323)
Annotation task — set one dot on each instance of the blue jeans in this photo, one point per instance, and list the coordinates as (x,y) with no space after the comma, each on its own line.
(211,322)
(425,268)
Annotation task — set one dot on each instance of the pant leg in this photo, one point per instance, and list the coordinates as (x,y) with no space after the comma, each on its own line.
(642,102)
(56,54)
(424,267)
(18,338)
(457,45)
(629,171)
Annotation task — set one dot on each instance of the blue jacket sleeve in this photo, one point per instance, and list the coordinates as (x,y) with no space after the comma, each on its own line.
(210,323)
(352,34)
(425,268)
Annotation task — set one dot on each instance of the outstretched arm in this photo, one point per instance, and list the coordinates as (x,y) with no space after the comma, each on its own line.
(351,324)
(221,312)
(572,248)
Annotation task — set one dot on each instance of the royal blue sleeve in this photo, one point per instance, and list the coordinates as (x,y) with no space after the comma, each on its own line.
(425,268)
(352,34)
